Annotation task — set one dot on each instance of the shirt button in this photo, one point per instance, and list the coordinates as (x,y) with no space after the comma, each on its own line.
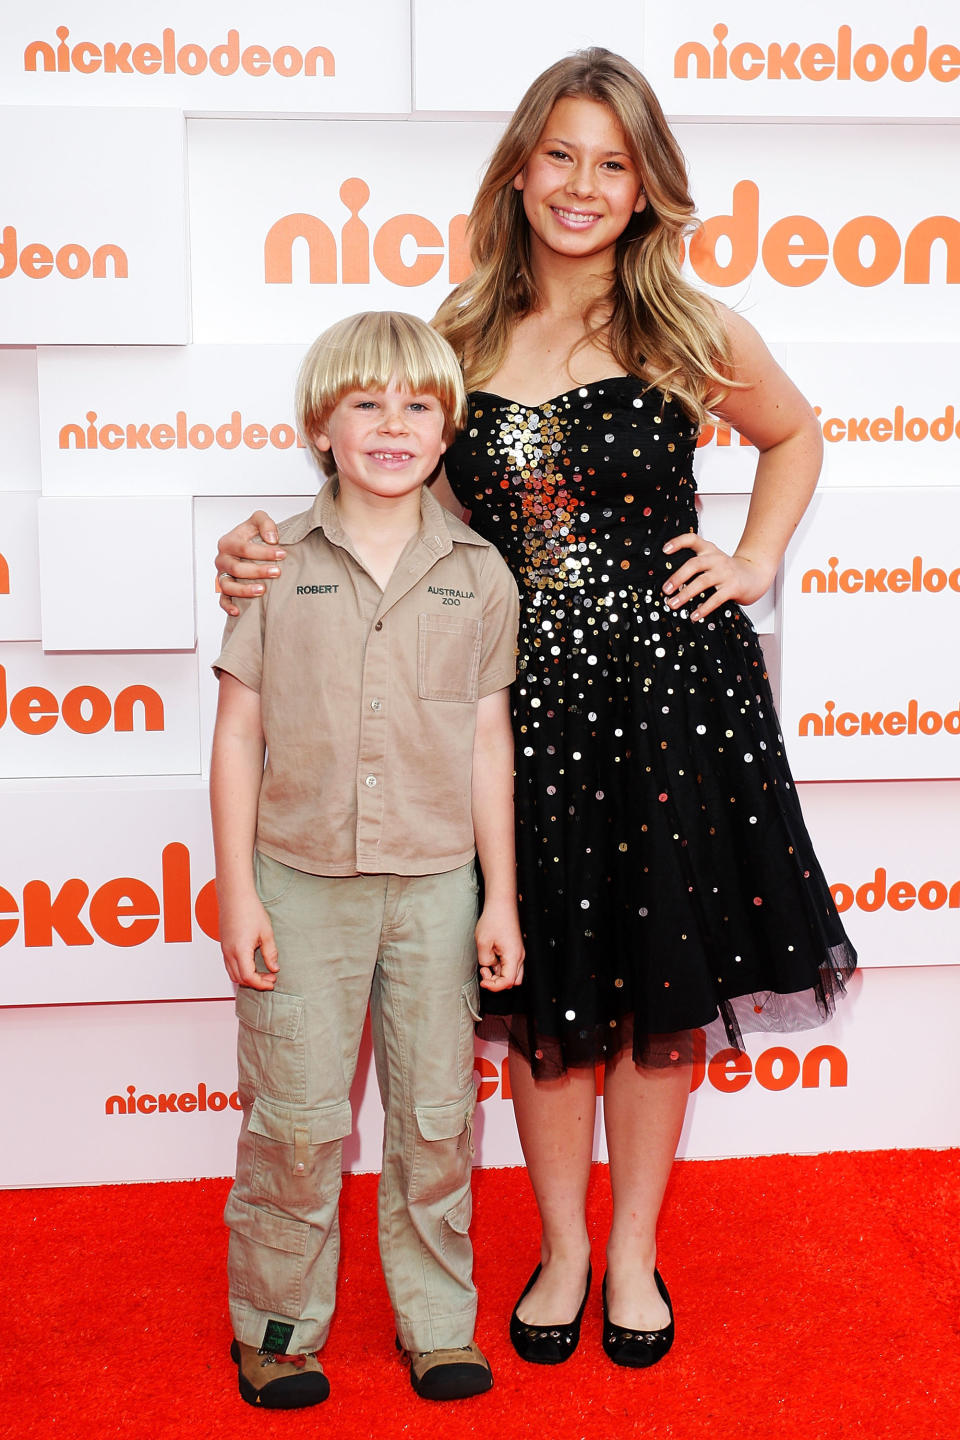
(370,781)
(379,625)
(376,704)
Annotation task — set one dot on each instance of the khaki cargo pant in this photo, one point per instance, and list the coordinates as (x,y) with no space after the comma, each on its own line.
(405,945)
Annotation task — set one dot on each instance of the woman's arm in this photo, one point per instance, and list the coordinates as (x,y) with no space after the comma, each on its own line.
(245,557)
(774,416)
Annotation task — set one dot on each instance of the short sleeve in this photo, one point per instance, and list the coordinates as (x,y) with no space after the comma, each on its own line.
(241,650)
(501,614)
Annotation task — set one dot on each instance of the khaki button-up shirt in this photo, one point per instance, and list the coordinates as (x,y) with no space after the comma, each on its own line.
(368,697)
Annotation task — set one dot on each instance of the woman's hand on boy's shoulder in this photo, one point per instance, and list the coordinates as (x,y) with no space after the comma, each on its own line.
(242,562)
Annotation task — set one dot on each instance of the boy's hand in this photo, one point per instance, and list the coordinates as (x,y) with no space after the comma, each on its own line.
(246,928)
(499,947)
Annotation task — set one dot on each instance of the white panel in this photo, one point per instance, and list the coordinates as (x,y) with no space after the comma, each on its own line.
(99,560)
(724,461)
(213,517)
(97,714)
(890,855)
(398,190)
(97,253)
(754,59)
(19,420)
(890,414)
(870,1104)
(107,895)
(832,185)
(507,45)
(870,610)
(112,1125)
(218,56)
(19,568)
(722,518)
(202,420)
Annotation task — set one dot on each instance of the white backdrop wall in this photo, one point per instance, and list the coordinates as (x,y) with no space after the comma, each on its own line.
(188,197)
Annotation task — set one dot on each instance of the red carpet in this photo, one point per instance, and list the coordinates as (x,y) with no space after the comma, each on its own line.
(816,1297)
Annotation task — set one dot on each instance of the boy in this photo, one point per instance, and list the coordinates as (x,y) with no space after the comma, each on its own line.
(375,675)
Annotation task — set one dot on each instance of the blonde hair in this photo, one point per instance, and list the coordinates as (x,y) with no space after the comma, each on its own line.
(654,323)
(371,351)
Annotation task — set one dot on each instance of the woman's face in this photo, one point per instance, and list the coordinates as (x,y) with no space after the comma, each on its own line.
(581,185)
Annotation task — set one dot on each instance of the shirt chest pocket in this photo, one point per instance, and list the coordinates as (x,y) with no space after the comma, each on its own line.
(448,657)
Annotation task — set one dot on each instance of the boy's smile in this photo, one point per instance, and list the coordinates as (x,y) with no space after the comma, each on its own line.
(386,443)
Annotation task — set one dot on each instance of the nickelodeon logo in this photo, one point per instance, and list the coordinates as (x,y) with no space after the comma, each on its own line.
(180,435)
(900,895)
(4,575)
(897,581)
(899,427)
(796,250)
(72,261)
(353,263)
(83,57)
(124,911)
(85,709)
(912,721)
(728,1071)
(839,60)
(188,1102)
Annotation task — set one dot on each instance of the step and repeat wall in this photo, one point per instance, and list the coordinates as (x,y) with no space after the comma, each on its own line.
(189,194)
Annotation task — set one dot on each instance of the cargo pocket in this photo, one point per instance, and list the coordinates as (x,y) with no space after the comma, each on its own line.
(266,1259)
(455,1232)
(448,657)
(443,1152)
(297,1162)
(271,1048)
(469,1014)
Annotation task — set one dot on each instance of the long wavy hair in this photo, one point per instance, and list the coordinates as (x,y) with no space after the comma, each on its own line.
(654,324)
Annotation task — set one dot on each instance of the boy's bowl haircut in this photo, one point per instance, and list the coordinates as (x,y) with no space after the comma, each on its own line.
(371,351)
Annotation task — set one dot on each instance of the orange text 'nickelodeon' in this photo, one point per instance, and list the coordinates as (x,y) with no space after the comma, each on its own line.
(843,58)
(169,57)
(124,911)
(847,723)
(898,426)
(727,1071)
(180,435)
(881,580)
(187,1102)
(897,894)
(72,261)
(85,709)
(795,250)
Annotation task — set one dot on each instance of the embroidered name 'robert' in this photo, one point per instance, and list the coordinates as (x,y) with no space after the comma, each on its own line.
(317,589)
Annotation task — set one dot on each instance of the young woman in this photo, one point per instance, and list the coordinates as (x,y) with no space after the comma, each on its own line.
(667,880)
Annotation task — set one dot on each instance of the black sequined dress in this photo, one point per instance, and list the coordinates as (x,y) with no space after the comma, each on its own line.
(667,879)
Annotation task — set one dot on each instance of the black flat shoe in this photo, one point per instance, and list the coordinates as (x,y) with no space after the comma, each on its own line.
(542,1344)
(637,1349)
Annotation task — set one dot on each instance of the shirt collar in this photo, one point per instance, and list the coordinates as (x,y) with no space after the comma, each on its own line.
(438,528)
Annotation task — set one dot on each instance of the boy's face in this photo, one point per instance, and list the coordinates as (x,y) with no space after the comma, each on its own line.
(385,442)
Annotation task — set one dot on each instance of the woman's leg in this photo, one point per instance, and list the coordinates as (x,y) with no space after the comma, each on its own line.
(643,1112)
(555,1119)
